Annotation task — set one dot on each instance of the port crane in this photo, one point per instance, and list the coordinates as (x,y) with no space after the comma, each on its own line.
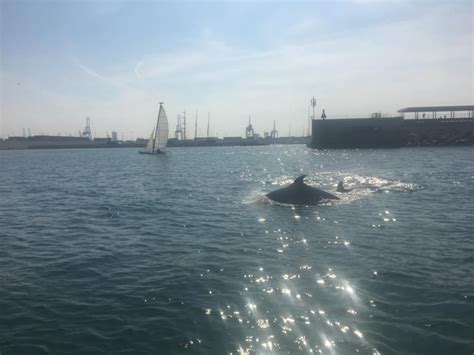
(249,131)
(274,132)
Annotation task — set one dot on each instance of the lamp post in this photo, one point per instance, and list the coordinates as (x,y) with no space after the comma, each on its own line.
(313,104)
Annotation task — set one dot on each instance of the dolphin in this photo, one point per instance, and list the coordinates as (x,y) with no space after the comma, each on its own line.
(298,193)
(341,188)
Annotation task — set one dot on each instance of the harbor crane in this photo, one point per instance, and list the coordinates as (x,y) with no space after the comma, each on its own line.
(87,133)
(249,131)
(274,132)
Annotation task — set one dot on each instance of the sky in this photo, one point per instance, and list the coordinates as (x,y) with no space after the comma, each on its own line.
(113,61)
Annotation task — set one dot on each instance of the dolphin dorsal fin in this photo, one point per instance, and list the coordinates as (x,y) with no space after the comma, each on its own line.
(299,180)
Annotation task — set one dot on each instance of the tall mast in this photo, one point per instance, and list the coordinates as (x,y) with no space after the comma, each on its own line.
(196,125)
(184,125)
(156,128)
(178,133)
(208,117)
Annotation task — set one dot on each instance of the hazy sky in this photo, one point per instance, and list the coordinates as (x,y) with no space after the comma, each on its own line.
(62,61)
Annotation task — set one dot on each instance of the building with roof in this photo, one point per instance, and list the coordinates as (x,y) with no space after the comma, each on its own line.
(463,111)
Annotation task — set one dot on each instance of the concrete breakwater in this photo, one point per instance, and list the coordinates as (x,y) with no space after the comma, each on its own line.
(429,132)
(391,132)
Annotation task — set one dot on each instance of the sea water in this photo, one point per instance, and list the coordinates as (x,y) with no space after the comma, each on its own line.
(109,251)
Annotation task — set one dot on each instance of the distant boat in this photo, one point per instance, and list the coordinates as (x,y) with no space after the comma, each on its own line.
(159,135)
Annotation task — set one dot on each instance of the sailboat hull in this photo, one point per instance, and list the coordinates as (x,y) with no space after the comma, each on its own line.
(155,152)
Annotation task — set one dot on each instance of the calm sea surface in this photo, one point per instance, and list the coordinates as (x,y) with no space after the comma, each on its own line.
(114,252)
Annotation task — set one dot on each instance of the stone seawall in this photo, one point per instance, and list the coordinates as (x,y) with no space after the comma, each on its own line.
(429,132)
(357,133)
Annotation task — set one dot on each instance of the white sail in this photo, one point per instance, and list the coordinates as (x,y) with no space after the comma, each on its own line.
(162,130)
(159,135)
(149,145)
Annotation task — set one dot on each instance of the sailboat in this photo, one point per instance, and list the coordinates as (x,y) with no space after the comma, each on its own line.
(159,135)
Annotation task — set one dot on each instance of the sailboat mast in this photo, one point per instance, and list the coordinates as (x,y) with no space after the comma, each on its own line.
(196,125)
(208,116)
(184,125)
(156,129)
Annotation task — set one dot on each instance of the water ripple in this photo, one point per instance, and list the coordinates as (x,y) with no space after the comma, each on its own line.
(108,251)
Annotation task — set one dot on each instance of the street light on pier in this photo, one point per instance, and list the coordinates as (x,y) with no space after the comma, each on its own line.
(313,104)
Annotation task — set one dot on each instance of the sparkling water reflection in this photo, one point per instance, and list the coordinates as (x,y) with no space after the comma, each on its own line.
(109,251)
